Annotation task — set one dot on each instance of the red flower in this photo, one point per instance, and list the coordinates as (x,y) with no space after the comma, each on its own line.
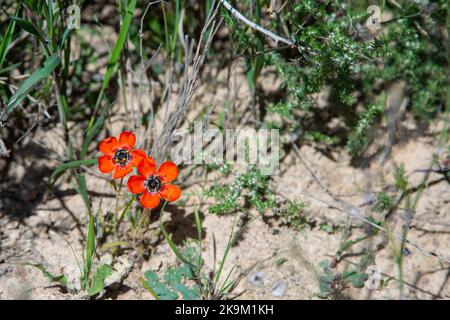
(120,155)
(154,184)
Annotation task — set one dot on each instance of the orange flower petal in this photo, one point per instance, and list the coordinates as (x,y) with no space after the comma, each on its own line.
(170,192)
(137,156)
(106,164)
(136,184)
(108,145)
(127,138)
(150,200)
(147,167)
(167,172)
(122,171)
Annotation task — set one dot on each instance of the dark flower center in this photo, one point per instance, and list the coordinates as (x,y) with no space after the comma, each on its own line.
(122,157)
(153,184)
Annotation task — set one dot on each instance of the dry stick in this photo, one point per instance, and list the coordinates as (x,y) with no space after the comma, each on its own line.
(253,25)
(143,66)
(312,173)
(148,134)
(188,85)
(354,214)
(353,211)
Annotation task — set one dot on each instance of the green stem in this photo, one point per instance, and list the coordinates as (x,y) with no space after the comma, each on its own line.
(124,212)
(116,215)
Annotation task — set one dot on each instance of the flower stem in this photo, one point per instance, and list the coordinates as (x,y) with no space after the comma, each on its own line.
(117,205)
(124,212)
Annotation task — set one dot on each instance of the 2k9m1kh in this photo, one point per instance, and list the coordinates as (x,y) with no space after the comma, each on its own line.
(246,309)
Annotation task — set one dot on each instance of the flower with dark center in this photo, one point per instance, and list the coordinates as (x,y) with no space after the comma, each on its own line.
(154,184)
(119,155)
(122,157)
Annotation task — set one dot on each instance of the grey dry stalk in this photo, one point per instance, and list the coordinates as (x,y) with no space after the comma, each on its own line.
(188,85)
(253,25)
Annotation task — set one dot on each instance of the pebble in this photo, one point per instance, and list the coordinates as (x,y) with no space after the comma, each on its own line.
(279,289)
(257,279)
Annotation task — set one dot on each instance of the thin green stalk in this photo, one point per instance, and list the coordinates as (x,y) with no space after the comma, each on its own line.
(175,28)
(166,28)
(172,245)
(124,212)
(116,214)
(227,250)
(95,126)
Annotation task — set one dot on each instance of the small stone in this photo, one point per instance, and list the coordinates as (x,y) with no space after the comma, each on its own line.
(279,289)
(406,252)
(257,279)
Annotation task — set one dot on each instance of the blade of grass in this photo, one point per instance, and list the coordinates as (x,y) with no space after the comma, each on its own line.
(61,279)
(231,241)
(123,33)
(98,280)
(93,131)
(28,27)
(174,247)
(6,40)
(125,211)
(198,223)
(33,30)
(42,73)
(170,242)
(95,125)
(175,27)
(49,22)
(69,165)
(10,67)
(225,254)
(82,190)
(226,286)
(90,251)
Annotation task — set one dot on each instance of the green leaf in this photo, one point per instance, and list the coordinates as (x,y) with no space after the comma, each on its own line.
(357,279)
(198,223)
(34,5)
(325,284)
(115,54)
(186,292)
(90,251)
(64,37)
(93,131)
(346,245)
(325,265)
(49,65)
(98,280)
(157,288)
(61,279)
(10,67)
(174,277)
(96,125)
(82,190)
(174,247)
(27,26)
(6,40)
(68,165)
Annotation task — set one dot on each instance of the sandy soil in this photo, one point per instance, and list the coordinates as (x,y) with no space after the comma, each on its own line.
(40,225)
